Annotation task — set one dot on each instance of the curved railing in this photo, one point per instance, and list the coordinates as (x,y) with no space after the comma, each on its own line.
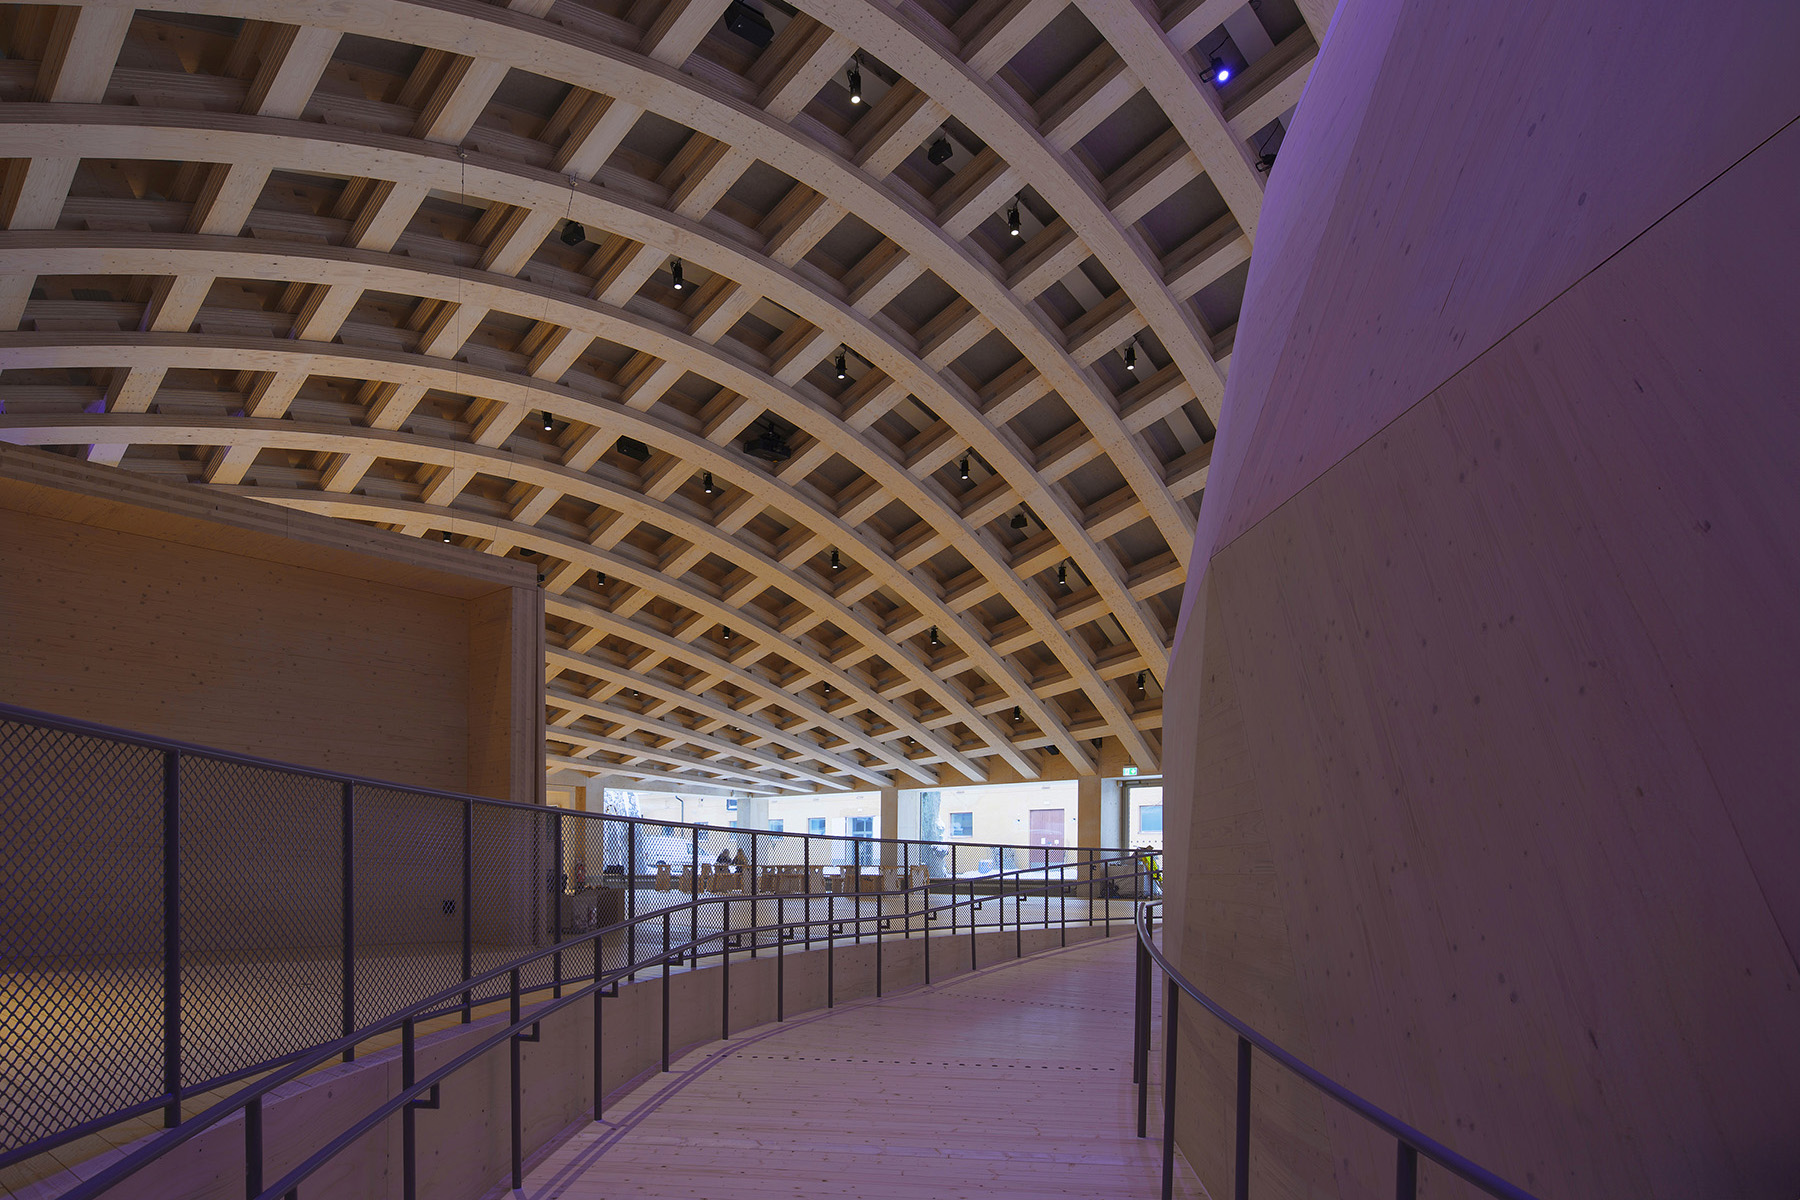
(1410,1143)
(418,1092)
(124,939)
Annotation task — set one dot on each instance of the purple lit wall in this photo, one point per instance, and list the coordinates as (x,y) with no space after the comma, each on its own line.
(1484,727)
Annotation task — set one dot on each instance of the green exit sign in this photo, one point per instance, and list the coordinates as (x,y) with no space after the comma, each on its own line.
(1131,770)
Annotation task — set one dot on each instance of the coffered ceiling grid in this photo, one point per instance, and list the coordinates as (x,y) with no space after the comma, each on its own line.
(316,255)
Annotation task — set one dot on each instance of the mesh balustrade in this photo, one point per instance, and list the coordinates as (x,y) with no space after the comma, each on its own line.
(174,918)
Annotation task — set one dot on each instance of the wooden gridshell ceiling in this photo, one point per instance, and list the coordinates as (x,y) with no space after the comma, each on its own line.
(327,256)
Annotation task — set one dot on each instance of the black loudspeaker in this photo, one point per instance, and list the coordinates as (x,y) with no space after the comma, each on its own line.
(748,22)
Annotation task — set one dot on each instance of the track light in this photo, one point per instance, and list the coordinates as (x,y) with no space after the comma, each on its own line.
(965,468)
(1131,356)
(934,637)
(843,371)
(855,77)
(1220,73)
(1018,521)
(828,689)
(573,234)
(706,483)
(549,425)
(1140,680)
(446,535)
(1017,714)
(1062,574)
(600,578)
(675,273)
(727,630)
(1012,218)
(940,152)
(837,564)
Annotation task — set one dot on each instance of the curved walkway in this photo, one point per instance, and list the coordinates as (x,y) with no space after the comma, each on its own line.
(1013,1081)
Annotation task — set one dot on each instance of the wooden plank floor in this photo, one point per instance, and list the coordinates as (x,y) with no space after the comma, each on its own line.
(1011,1082)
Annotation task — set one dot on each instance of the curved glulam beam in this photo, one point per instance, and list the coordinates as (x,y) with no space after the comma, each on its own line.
(508,38)
(162,254)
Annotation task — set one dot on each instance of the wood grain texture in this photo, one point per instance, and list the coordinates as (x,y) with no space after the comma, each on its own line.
(1492,664)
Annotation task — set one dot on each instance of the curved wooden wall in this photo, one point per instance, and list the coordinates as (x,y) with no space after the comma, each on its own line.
(1492,657)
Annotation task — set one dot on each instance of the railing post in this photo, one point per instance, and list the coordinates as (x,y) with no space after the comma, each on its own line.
(878,922)
(972,925)
(1171,998)
(171,832)
(468,905)
(749,889)
(409,1134)
(631,869)
(725,968)
(1146,984)
(557,886)
(831,955)
(1243,1119)
(665,992)
(694,895)
(806,867)
(599,1043)
(1406,1172)
(348,909)
(1139,1001)
(518,1121)
(780,960)
(253,1149)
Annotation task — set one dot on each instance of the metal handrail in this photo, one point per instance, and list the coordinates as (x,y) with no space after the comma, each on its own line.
(408,1098)
(1410,1142)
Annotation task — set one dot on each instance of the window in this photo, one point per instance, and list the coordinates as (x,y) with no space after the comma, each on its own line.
(731,804)
(815,824)
(962,824)
(1150,818)
(776,825)
(862,826)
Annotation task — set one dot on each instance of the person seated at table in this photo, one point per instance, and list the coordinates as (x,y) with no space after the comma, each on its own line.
(740,861)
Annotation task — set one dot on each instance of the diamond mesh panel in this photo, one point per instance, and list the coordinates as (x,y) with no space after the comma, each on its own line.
(408,898)
(515,876)
(261,915)
(80,929)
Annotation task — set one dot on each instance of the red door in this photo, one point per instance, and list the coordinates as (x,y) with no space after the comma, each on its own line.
(1046,831)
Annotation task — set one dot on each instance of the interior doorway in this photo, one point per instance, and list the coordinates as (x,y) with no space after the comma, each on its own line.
(1046,834)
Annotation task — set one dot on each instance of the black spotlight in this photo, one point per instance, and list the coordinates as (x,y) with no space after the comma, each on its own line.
(1264,163)
(1062,574)
(855,78)
(573,234)
(1016,713)
(1130,356)
(549,425)
(842,371)
(828,689)
(727,630)
(1012,219)
(940,152)
(1018,521)
(446,535)
(706,483)
(748,22)
(1140,681)
(770,445)
(600,578)
(965,468)
(934,637)
(1053,750)
(837,564)
(675,273)
(526,552)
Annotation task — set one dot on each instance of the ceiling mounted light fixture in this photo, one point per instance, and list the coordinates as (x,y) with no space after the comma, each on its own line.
(1131,356)
(965,468)
(940,152)
(446,535)
(837,564)
(573,234)
(828,688)
(771,445)
(675,274)
(1140,680)
(1012,218)
(706,483)
(1265,157)
(549,425)
(1018,521)
(843,371)
(1017,712)
(855,79)
(1216,69)
(1062,574)
(600,578)
(727,630)
(633,449)
(934,637)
